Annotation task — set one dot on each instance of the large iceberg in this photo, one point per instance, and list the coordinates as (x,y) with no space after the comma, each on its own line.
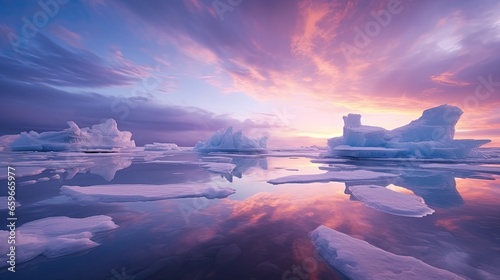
(103,136)
(225,140)
(430,136)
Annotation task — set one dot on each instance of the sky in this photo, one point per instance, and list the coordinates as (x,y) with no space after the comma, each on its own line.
(176,71)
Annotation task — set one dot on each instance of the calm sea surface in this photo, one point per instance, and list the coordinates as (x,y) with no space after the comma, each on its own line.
(260,231)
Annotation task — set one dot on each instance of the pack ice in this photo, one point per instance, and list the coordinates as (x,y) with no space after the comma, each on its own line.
(225,140)
(103,136)
(430,136)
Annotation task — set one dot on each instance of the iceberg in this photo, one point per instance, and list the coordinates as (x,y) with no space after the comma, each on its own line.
(225,140)
(6,140)
(142,192)
(103,136)
(358,259)
(389,201)
(430,136)
(54,237)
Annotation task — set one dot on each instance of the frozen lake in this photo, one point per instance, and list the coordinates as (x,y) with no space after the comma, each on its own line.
(181,215)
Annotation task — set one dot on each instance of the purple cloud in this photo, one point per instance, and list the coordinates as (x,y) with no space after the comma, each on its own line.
(42,108)
(45,62)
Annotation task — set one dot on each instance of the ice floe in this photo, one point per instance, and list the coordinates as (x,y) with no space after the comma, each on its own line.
(358,259)
(390,201)
(463,167)
(4,203)
(143,192)
(161,147)
(342,176)
(23,171)
(54,237)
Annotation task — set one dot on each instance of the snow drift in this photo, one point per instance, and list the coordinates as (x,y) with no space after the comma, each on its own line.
(103,136)
(430,136)
(225,140)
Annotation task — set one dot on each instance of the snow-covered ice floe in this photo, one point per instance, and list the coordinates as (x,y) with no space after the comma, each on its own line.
(462,167)
(358,259)
(24,171)
(143,192)
(225,140)
(103,136)
(54,237)
(390,201)
(4,203)
(430,136)
(161,147)
(342,176)
(219,167)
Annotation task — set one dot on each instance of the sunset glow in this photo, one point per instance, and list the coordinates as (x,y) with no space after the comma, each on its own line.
(175,71)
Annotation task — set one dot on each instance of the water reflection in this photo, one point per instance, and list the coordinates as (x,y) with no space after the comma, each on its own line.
(263,233)
(437,188)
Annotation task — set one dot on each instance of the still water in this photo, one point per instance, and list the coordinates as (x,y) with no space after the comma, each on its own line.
(260,231)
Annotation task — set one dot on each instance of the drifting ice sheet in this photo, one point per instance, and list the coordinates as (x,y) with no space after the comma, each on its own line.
(342,176)
(219,167)
(24,171)
(161,147)
(101,136)
(54,237)
(358,259)
(462,167)
(225,140)
(140,192)
(4,200)
(391,202)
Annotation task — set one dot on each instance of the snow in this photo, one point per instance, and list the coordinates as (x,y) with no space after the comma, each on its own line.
(103,136)
(430,136)
(357,259)
(54,237)
(161,147)
(390,201)
(225,140)
(463,167)
(143,192)
(343,176)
